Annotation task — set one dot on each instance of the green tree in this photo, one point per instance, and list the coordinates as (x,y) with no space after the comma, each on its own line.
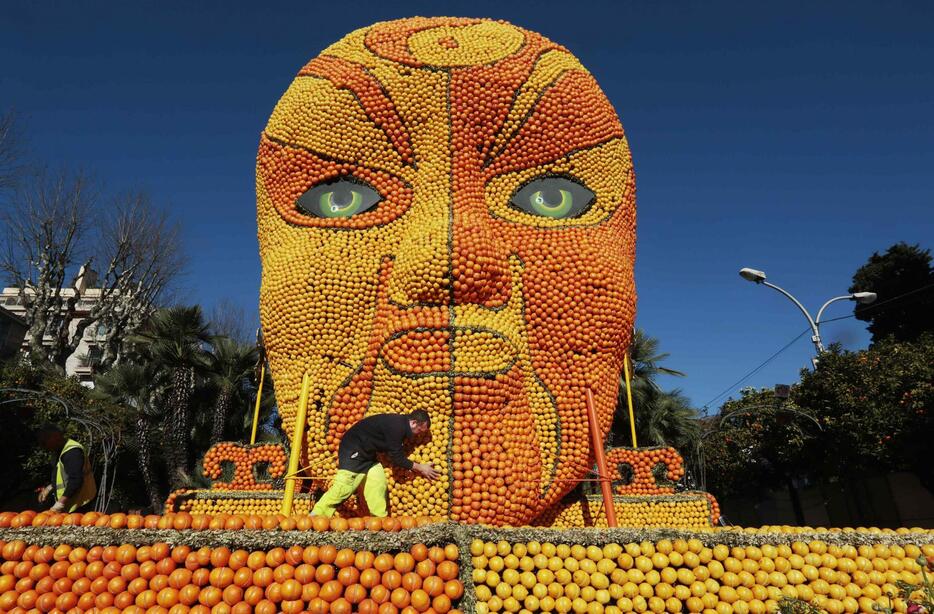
(902,271)
(670,421)
(759,442)
(875,407)
(231,366)
(175,339)
(138,387)
(34,394)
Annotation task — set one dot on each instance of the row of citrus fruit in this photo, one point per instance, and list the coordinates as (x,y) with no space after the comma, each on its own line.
(184,520)
(162,578)
(687,576)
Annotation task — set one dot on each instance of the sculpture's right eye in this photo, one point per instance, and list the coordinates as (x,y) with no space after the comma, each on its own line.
(553,197)
(343,197)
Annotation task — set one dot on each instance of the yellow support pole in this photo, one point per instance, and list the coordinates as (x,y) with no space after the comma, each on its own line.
(632,414)
(259,396)
(291,476)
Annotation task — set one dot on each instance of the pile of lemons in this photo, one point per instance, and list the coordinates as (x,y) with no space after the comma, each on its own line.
(244,506)
(685,575)
(683,511)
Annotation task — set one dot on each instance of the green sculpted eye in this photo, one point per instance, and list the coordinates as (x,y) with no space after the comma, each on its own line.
(553,197)
(340,198)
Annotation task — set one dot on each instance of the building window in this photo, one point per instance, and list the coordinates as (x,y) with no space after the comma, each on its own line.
(95,354)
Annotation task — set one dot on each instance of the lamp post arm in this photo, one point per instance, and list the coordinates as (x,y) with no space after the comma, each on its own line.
(816,337)
(833,300)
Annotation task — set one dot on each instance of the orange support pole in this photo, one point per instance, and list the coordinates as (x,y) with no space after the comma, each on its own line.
(596,441)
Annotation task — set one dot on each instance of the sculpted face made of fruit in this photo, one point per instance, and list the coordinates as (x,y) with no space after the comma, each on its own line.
(446,218)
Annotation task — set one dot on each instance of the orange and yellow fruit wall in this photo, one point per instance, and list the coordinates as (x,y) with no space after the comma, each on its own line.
(181,563)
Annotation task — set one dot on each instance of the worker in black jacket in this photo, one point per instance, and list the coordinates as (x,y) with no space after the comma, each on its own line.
(357,461)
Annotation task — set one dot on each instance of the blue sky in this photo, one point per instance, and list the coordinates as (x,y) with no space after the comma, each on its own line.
(792,137)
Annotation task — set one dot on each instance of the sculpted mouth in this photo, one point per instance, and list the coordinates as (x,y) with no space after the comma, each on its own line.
(465,351)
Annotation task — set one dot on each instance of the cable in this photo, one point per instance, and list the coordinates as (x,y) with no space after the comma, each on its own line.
(756,370)
(881,303)
(805,331)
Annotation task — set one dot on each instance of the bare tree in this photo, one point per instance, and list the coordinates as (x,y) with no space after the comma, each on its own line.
(46,224)
(54,224)
(143,252)
(228,319)
(11,154)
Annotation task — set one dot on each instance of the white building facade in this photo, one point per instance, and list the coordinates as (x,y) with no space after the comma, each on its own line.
(82,362)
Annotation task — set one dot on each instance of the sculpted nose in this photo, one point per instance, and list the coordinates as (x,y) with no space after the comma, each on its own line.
(480,258)
(420,274)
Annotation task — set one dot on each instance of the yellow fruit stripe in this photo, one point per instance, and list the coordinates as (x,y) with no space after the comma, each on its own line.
(681,511)
(234,502)
(352,47)
(692,575)
(391,395)
(480,43)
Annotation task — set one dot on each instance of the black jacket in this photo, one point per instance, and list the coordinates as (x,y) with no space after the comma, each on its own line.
(382,433)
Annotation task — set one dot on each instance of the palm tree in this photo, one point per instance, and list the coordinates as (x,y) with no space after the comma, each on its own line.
(137,387)
(174,338)
(645,357)
(230,367)
(672,422)
(662,418)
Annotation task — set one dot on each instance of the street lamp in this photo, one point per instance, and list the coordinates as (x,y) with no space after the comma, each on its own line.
(864,298)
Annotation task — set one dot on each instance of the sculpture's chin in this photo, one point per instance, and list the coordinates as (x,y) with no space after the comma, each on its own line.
(493,438)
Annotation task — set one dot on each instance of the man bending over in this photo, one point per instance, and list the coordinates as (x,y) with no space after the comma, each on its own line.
(357,462)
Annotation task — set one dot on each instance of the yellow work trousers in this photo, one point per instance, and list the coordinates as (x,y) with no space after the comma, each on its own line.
(345,484)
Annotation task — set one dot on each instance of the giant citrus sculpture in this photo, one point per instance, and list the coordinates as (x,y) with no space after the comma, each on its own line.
(446,221)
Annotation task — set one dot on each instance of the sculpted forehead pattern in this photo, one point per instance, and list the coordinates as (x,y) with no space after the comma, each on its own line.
(445,43)
(447,210)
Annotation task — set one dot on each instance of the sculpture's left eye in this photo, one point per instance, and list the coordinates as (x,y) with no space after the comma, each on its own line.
(339,198)
(554,197)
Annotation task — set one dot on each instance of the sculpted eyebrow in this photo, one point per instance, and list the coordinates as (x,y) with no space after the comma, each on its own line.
(549,68)
(370,94)
(329,158)
(532,140)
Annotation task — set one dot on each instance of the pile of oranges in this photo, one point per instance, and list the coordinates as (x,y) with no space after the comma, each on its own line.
(686,510)
(685,575)
(253,467)
(645,471)
(182,521)
(162,578)
(446,220)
